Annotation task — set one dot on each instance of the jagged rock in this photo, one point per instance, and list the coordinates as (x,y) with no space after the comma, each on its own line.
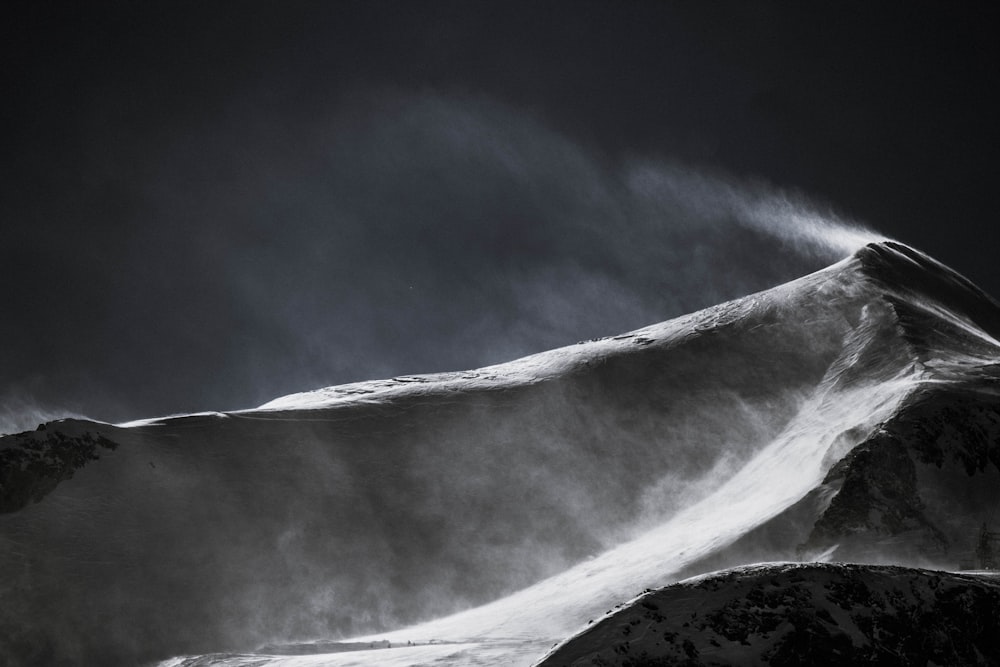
(33,463)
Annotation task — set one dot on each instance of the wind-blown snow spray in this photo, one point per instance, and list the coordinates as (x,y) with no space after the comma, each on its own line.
(19,411)
(718,199)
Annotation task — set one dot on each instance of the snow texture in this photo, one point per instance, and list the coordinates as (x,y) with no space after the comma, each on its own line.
(480,517)
(799,614)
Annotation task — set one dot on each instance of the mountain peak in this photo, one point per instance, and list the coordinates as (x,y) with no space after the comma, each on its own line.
(917,278)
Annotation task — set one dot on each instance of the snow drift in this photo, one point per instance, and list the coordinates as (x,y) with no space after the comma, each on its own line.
(533,495)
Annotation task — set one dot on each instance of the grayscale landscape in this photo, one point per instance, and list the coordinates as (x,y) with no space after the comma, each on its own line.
(436,333)
(480,517)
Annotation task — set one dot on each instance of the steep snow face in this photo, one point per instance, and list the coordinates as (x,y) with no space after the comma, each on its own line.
(576,477)
(785,614)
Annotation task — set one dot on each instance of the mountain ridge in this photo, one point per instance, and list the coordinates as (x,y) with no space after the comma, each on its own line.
(895,270)
(420,495)
(794,614)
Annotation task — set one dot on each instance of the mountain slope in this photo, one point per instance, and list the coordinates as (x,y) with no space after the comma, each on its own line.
(579,476)
(919,488)
(785,614)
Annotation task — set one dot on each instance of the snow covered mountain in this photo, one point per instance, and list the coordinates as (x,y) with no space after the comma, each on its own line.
(800,614)
(480,517)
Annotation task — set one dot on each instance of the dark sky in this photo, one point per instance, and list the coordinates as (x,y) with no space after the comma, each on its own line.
(206,205)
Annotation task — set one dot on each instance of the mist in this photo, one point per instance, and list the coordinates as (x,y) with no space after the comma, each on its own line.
(399,232)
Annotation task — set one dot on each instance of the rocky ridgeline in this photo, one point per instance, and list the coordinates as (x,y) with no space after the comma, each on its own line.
(799,614)
(33,463)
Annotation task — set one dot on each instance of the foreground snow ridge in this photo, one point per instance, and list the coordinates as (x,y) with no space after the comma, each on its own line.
(799,614)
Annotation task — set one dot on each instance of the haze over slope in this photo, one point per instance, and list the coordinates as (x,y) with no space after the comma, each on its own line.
(368,507)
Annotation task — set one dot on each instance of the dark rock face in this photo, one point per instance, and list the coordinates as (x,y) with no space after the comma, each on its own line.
(869,499)
(829,614)
(33,463)
(954,428)
(878,497)
(919,488)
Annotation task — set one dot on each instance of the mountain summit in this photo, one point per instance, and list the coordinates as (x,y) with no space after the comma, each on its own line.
(851,414)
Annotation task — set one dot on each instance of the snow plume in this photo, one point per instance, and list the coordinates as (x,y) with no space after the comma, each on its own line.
(20,412)
(387,233)
(453,232)
(786,216)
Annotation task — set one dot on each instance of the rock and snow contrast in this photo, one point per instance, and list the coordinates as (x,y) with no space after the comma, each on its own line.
(482,517)
(799,614)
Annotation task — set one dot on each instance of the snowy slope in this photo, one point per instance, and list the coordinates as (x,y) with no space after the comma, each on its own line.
(534,494)
(799,614)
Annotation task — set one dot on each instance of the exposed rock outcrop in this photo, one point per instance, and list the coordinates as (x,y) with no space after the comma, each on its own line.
(33,463)
(799,614)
